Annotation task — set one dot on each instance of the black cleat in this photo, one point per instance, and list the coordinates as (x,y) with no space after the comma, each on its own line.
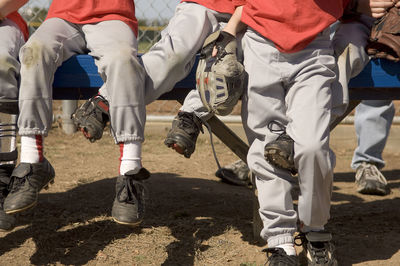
(27,180)
(280,153)
(129,203)
(278,257)
(7,222)
(183,135)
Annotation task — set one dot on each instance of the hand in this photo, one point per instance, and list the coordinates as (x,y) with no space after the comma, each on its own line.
(223,40)
(380,7)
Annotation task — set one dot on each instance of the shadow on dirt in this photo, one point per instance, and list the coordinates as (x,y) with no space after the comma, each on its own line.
(194,210)
(365,230)
(72,227)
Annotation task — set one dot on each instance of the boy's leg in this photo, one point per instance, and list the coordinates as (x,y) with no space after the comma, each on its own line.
(264,102)
(372,123)
(187,30)
(124,90)
(309,110)
(54,42)
(349,43)
(172,58)
(10,44)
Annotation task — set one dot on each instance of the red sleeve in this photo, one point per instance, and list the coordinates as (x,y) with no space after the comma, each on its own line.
(346,3)
(237,3)
(16,17)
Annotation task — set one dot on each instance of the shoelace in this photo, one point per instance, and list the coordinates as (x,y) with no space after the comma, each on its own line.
(186,121)
(132,189)
(319,252)
(281,130)
(370,170)
(16,183)
(318,249)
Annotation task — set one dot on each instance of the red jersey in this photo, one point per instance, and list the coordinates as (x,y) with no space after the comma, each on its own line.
(93,11)
(291,24)
(16,17)
(222,6)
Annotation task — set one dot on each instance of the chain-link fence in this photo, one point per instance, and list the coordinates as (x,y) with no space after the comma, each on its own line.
(153,16)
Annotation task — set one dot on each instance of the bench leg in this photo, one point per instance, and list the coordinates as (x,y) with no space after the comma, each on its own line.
(68,108)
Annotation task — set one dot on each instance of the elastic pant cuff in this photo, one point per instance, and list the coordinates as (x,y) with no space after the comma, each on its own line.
(276,240)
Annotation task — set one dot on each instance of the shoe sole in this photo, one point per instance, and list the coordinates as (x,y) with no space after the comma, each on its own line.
(372,190)
(30,205)
(278,159)
(126,223)
(229,177)
(22,209)
(178,145)
(5,230)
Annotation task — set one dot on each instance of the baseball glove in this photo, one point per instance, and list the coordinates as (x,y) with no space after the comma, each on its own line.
(92,117)
(220,78)
(385,36)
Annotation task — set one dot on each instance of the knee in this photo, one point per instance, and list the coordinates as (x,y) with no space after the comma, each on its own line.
(309,149)
(32,52)
(124,56)
(121,53)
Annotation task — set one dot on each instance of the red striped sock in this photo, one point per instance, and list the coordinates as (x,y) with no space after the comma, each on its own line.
(130,156)
(32,149)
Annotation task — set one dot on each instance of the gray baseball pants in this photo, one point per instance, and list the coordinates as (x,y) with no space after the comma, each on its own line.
(11,42)
(349,43)
(294,89)
(114,47)
(172,58)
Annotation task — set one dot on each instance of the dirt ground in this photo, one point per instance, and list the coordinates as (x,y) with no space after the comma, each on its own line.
(192,218)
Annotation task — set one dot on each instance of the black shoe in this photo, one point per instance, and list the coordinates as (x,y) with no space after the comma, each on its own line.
(280,153)
(27,180)
(318,248)
(278,257)
(92,117)
(7,222)
(129,202)
(184,132)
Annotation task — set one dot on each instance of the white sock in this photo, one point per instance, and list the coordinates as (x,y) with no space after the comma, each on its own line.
(32,149)
(131,157)
(288,248)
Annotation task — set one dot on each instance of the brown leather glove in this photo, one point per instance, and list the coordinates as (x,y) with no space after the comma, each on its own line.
(384,41)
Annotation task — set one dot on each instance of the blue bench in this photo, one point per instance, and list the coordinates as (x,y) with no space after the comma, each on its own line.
(78,79)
